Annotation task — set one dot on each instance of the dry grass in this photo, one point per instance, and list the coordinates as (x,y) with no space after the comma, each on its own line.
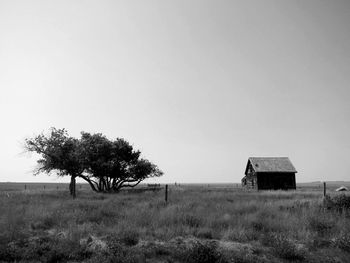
(199,224)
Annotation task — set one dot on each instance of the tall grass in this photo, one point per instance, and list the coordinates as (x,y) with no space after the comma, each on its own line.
(288,225)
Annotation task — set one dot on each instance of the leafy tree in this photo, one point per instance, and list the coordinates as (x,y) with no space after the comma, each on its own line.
(107,165)
(59,153)
(111,165)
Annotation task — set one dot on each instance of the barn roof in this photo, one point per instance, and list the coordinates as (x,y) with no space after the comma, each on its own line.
(271,164)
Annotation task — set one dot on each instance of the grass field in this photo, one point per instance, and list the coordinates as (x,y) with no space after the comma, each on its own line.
(202,223)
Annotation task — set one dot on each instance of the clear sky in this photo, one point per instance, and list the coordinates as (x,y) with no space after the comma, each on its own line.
(197,86)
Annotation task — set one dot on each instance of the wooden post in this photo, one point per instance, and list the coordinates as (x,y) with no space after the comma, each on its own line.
(324,189)
(44,187)
(166,193)
(57,187)
(25,187)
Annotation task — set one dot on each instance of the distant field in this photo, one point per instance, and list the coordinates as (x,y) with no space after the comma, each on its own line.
(39,186)
(200,223)
(9,186)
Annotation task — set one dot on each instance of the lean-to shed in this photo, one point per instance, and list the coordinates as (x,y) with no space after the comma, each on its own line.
(269,173)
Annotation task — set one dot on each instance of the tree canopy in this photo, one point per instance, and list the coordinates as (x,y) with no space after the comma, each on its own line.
(107,165)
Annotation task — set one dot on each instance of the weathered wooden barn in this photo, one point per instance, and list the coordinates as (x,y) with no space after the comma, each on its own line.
(269,173)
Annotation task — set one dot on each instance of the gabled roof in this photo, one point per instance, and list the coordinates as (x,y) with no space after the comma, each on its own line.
(271,164)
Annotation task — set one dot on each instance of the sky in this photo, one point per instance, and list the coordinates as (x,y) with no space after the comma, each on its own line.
(198,86)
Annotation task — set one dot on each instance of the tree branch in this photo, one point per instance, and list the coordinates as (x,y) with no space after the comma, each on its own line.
(131,185)
(91,182)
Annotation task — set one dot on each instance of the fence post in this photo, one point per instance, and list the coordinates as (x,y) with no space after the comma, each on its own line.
(25,187)
(166,193)
(324,189)
(44,187)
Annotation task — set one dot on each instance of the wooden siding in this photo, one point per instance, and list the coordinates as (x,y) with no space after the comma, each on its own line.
(250,181)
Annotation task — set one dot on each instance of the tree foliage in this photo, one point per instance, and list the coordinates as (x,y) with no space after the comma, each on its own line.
(107,165)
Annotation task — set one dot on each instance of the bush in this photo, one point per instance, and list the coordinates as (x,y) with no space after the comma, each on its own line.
(265,222)
(320,224)
(126,237)
(53,250)
(242,235)
(192,220)
(129,237)
(342,202)
(44,223)
(205,233)
(43,249)
(118,253)
(343,241)
(339,202)
(285,248)
(9,253)
(241,257)
(202,253)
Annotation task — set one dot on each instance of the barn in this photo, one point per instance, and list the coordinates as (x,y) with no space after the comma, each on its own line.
(269,173)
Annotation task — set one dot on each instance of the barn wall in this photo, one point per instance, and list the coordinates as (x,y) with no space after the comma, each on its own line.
(250,181)
(275,181)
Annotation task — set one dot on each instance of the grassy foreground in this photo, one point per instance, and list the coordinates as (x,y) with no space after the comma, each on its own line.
(199,224)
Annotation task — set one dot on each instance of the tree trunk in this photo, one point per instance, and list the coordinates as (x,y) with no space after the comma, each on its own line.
(72,187)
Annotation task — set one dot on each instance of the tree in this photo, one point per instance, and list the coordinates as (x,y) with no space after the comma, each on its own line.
(112,165)
(59,153)
(107,165)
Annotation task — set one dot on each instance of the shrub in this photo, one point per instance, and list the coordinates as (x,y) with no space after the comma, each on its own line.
(54,250)
(42,249)
(343,241)
(126,237)
(242,235)
(258,226)
(342,202)
(320,224)
(192,220)
(339,202)
(205,233)
(9,253)
(129,237)
(44,223)
(265,222)
(241,257)
(285,248)
(316,242)
(202,253)
(118,253)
